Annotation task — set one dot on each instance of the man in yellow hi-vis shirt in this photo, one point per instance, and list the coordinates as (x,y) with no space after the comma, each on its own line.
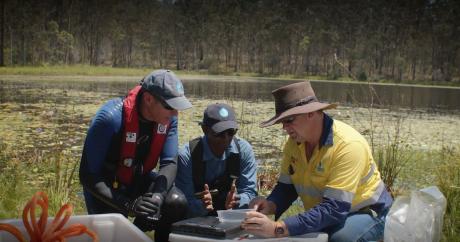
(329,165)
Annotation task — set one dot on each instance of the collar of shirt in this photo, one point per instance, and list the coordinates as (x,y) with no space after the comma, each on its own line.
(208,155)
(327,137)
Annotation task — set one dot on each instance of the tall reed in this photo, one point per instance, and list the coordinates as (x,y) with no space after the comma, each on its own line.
(392,156)
(448,180)
(14,190)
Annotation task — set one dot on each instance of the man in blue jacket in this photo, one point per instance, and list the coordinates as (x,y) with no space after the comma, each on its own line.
(217,170)
(125,141)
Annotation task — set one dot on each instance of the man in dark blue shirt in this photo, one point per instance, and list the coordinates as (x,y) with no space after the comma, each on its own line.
(124,142)
(218,170)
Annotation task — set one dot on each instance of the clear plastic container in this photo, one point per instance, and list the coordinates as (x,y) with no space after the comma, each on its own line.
(109,228)
(233,215)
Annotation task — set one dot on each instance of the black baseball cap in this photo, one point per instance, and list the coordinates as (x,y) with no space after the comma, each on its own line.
(166,85)
(219,117)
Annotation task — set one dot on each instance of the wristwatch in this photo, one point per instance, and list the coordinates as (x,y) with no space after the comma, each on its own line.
(279,230)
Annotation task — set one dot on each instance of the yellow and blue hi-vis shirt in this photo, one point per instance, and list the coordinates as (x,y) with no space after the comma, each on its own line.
(340,177)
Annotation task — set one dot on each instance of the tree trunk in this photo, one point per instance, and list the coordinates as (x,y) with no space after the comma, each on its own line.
(2,31)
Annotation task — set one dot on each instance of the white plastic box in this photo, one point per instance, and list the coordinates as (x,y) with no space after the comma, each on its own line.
(312,237)
(233,215)
(111,227)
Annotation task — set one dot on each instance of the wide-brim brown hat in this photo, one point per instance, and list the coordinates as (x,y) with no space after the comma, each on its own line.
(293,99)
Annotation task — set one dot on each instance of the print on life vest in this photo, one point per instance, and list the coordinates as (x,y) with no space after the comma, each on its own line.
(162,129)
(130,137)
(128,162)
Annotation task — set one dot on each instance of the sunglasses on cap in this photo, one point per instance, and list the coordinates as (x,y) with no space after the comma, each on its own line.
(223,134)
(162,101)
(166,105)
(288,120)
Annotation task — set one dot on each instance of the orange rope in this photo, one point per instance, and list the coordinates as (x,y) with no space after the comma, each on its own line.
(13,230)
(58,223)
(39,231)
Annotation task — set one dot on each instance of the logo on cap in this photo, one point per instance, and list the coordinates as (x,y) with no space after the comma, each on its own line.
(179,88)
(223,112)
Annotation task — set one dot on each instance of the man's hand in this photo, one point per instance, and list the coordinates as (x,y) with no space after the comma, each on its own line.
(232,198)
(157,200)
(147,210)
(147,205)
(259,224)
(207,198)
(261,204)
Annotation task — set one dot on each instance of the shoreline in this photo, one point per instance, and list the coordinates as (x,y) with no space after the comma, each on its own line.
(195,77)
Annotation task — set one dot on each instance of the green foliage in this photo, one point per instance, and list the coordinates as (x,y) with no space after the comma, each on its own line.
(73,70)
(21,178)
(14,190)
(63,185)
(215,69)
(206,63)
(304,43)
(335,73)
(392,156)
(448,179)
(412,41)
(362,76)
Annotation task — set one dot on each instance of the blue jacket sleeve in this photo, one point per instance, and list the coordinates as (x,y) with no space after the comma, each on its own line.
(184,181)
(246,185)
(328,212)
(283,195)
(169,152)
(168,160)
(105,124)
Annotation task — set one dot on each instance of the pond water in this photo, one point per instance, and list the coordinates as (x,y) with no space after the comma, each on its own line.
(355,94)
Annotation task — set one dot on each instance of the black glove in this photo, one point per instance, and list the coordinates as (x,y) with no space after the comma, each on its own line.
(147,211)
(146,205)
(157,200)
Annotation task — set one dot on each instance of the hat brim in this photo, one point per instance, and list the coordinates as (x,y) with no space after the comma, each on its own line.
(179,103)
(224,125)
(308,108)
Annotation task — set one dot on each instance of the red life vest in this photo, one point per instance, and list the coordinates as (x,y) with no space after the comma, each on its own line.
(126,165)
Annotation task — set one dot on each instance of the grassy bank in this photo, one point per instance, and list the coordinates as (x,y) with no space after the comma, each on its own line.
(73,70)
(87,70)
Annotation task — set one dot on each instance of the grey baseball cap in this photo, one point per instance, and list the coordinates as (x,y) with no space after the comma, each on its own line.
(219,117)
(165,84)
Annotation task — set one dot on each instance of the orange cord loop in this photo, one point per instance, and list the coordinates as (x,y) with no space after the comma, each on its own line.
(39,231)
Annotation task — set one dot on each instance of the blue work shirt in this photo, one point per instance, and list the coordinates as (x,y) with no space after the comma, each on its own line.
(215,167)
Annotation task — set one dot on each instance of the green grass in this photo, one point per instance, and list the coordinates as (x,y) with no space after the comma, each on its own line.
(14,191)
(22,175)
(72,70)
(448,180)
(87,70)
